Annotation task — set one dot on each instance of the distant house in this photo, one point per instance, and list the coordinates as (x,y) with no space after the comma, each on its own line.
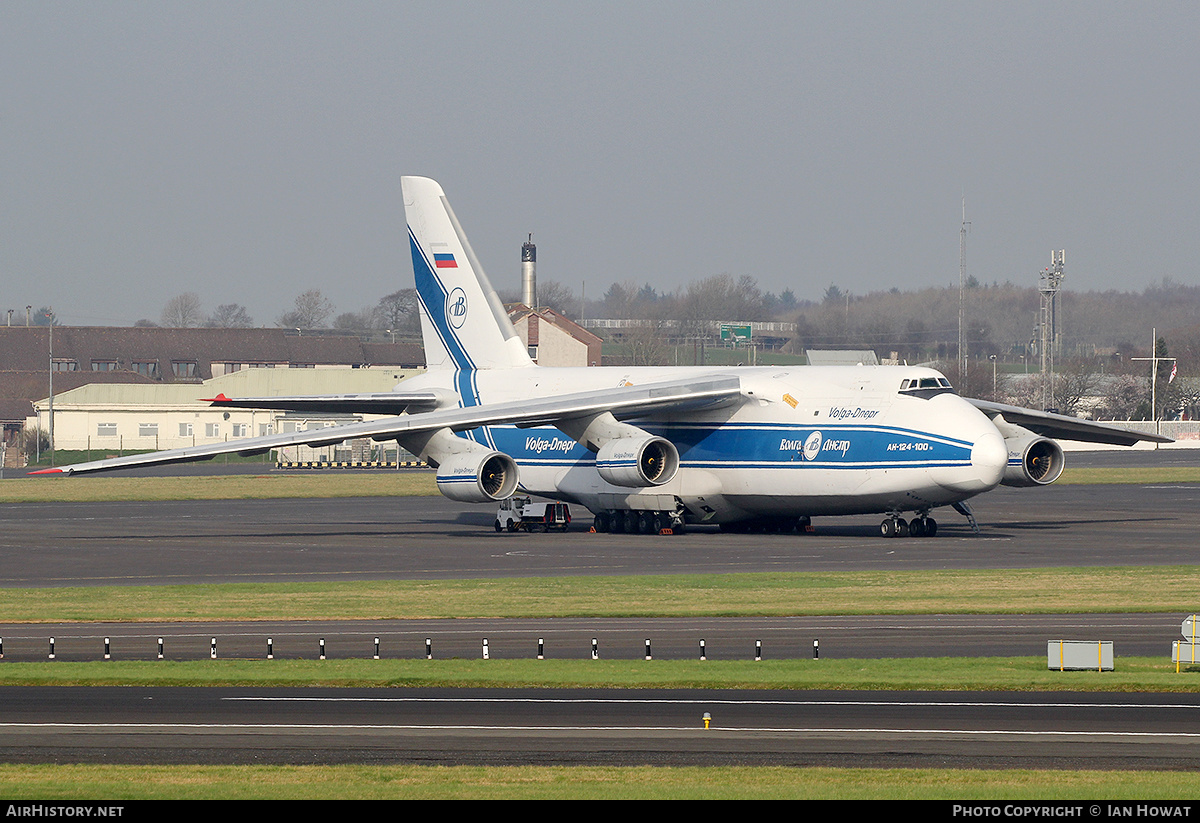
(148,357)
(553,339)
(188,355)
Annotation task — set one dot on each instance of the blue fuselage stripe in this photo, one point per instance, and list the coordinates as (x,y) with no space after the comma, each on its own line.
(752,445)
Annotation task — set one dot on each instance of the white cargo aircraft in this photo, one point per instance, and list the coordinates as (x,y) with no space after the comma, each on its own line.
(653,448)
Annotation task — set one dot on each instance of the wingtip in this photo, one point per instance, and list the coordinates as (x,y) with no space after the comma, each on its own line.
(220,398)
(49,471)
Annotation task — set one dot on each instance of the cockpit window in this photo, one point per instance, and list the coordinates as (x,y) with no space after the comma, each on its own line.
(925,387)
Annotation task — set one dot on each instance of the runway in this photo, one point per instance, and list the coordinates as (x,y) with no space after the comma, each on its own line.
(187,542)
(554,727)
(50,545)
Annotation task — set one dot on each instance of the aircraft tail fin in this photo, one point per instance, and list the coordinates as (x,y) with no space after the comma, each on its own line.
(463,323)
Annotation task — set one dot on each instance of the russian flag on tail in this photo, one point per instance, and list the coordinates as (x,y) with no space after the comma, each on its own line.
(445,261)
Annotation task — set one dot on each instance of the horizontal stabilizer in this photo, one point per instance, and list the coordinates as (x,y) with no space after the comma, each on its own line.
(375,403)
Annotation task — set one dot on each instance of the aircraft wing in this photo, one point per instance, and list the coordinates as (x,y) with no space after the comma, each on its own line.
(673,396)
(374,403)
(1062,427)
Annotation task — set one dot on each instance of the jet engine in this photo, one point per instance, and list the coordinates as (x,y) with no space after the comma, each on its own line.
(625,455)
(477,476)
(466,471)
(638,461)
(1033,460)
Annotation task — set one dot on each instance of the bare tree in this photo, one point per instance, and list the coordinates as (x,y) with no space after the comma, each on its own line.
(719,298)
(1074,387)
(553,294)
(398,311)
(1121,396)
(229,316)
(182,312)
(1188,389)
(647,345)
(1072,392)
(359,321)
(310,311)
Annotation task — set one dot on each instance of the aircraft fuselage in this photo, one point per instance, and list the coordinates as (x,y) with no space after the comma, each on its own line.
(809,440)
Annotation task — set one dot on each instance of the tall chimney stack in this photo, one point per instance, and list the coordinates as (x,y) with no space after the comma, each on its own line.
(529,273)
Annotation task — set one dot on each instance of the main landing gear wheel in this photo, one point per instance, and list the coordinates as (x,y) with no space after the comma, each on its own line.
(622,521)
(899,527)
(768,525)
(922,527)
(618,522)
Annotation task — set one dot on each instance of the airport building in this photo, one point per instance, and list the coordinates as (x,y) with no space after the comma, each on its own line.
(118,389)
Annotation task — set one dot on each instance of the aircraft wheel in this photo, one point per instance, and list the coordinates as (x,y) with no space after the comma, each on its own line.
(901,527)
(645,521)
(917,527)
(661,521)
(618,522)
(888,528)
(930,526)
(602,522)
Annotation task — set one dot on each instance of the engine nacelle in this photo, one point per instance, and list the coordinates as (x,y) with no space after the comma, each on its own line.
(1040,459)
(638,461)
(477,476)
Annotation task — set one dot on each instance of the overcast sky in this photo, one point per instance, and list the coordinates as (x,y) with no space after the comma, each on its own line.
(250,151)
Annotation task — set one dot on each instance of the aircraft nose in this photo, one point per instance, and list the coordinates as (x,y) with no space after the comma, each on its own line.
(989,456)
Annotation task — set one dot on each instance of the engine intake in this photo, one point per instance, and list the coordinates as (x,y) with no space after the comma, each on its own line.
(638,461)
(1032,460)
(477,477)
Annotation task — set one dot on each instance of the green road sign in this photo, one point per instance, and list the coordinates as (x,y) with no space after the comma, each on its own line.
(732,333)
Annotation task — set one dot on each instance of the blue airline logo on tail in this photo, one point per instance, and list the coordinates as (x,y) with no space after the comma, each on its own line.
(456,308)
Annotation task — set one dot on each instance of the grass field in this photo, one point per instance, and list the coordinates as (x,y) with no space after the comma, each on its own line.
(89,782)
(1026,674)
(266,486)
(986,591)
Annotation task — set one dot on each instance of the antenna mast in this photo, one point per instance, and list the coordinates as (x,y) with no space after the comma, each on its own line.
(1048,284)
(962,279)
